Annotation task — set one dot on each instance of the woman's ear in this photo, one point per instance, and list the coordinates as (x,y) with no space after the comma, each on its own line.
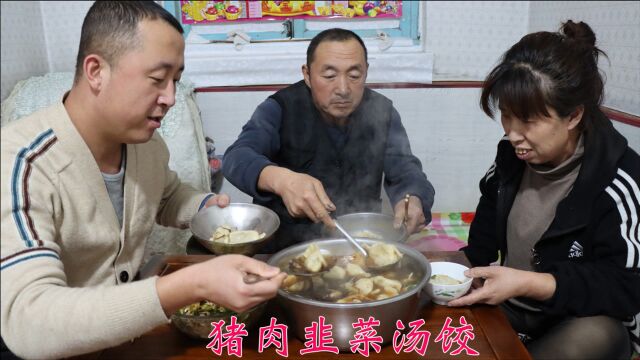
(576,117)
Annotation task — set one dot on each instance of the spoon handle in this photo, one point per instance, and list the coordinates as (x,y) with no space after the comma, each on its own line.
(352,240)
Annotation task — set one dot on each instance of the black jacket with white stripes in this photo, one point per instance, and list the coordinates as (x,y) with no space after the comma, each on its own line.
(592,246)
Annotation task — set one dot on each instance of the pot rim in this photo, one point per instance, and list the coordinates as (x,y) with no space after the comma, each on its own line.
(405,249)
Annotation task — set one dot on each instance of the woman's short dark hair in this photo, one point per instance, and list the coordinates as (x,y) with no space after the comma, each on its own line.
(334,34)
(555,69)
(110,28)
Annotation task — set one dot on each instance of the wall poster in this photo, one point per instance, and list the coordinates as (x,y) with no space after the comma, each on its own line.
(217,11)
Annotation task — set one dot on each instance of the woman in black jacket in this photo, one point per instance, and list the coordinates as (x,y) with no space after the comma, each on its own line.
(559,206)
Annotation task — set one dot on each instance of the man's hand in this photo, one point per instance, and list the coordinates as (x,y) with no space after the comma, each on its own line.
(220,280)
(502,283)
(220,200)
(414,216)
(303,195)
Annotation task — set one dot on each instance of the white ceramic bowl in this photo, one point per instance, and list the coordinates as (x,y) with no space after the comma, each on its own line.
(442,294)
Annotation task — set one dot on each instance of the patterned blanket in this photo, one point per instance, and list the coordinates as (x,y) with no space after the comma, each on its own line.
(447,232)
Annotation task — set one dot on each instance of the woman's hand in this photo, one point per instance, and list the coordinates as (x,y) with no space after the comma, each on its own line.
(502,283)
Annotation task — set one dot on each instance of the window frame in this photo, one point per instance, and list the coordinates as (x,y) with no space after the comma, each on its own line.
(214,62)
(407,29)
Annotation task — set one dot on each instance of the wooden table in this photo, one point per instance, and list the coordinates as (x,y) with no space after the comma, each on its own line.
(494,337)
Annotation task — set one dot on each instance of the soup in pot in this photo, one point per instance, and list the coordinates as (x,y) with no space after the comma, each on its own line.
(350,280)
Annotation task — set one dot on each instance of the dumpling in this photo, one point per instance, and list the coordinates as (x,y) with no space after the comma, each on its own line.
(364,286)
(385,283)
(243,236)
(441,279)
(314,261)
(294,283)
(355,270)
(382,254)
(335,273)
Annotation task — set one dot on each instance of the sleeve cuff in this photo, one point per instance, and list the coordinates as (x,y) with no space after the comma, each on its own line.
(204,201)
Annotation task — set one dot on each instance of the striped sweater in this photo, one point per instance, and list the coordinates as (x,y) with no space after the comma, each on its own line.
(67,265)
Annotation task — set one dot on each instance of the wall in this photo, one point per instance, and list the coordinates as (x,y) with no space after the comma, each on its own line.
(62,22)
(23,44)
(468,37)
(617,28)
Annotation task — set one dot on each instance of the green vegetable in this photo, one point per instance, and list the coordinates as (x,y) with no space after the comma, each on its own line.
(203,308)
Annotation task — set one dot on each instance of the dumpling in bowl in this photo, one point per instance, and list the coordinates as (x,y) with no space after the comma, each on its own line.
(441,279)
(244,236)
(229,235)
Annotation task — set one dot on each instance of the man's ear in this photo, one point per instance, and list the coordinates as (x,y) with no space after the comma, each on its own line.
(95,69)
(366,72)
(306,75)
(575,117)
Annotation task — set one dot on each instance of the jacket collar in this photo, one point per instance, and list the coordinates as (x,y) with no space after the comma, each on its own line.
(76,153)
(603,147)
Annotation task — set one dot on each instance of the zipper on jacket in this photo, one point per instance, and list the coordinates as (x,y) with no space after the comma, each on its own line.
(501,222)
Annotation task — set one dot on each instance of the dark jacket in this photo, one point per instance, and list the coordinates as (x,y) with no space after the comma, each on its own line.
(592,246)
(351,175)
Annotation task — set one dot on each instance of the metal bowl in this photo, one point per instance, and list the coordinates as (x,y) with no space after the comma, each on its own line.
(242,216)
(301,311)
(381,225)
(199,327)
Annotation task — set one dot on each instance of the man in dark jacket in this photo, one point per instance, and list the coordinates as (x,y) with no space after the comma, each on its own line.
(324,144)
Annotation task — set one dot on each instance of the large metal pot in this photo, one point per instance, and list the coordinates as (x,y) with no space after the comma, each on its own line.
(301,312)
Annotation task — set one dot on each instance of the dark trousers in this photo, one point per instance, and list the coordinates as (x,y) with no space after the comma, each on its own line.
(5,353)
(566,337)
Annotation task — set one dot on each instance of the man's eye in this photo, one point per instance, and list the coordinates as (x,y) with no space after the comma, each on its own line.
(155,79)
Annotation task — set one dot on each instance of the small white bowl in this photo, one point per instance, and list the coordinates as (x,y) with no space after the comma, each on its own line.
(442,294)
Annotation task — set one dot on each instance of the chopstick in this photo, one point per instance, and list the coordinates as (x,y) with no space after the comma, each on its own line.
(406,208)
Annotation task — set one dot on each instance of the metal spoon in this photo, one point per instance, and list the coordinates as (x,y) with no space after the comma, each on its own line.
(351,240)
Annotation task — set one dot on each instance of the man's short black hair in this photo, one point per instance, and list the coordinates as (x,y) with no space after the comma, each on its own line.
(334,34)
(110,28)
